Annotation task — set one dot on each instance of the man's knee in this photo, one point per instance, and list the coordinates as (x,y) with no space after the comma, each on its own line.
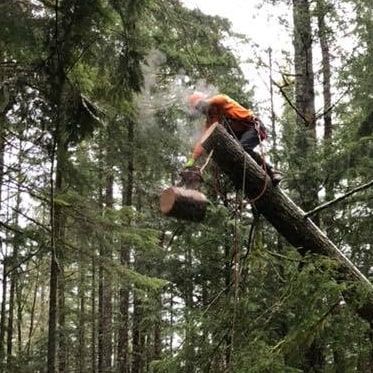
(249,140)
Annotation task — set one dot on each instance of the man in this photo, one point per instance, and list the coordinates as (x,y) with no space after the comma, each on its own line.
(239,121)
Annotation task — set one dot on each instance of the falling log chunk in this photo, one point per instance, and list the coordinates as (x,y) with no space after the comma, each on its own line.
(181,203)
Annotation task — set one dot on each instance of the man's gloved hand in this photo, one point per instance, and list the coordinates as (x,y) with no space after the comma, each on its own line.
(190,163)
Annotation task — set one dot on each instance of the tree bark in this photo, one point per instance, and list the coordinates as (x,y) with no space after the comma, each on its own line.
(124,291)
(280,210)
(32,316)
(93,318)
(9,343)
(183,203)
(3,309)
(304,86)
(2,151)
(81,357)
(105,343)
(306,127)
(137,346)
(19,317)
(323,32)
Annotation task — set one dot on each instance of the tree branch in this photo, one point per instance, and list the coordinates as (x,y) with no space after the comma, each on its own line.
(332,202)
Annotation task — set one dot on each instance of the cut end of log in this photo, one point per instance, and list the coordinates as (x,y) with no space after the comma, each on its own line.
(187,204)
(167,200)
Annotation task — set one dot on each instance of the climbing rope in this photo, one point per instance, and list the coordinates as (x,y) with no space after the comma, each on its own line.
(262,155)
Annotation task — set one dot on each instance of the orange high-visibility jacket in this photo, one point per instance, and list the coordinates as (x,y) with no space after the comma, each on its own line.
(223,107)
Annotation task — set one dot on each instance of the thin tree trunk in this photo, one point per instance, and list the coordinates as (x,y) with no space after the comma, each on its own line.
(4,294)
(59,255)
(32,317)
(157,347)
(81,357)
(189,337)
(9,343)
(19,317)
(171,320)
(273,117)
(62,337)
(127,200)
(14,273)
(137,347)
(93,317)
(2,152)
(3,310)
(106,308)
(227,282)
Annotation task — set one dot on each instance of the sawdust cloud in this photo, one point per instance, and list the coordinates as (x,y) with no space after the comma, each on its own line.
(162,93)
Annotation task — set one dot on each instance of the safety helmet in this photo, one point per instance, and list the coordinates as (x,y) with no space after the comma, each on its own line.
(195,98)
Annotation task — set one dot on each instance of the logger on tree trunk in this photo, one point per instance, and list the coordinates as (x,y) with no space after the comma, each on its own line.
(240,122)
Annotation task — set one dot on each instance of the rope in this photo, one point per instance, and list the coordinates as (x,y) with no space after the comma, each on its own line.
(207,161)
(262,155)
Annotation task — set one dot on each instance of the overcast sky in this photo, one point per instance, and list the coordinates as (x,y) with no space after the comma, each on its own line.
(260,23)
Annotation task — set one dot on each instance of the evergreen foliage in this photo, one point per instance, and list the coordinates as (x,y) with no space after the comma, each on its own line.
(93,125)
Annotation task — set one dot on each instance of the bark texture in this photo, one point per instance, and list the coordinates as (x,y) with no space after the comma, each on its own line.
(281,211)
(304,87)
(323,31)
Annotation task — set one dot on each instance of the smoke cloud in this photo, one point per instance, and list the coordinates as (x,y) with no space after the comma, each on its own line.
(162,93)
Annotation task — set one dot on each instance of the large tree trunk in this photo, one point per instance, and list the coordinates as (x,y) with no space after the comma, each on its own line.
(323,31)
(304,86)
(280,210)
(57,184)
(308,185)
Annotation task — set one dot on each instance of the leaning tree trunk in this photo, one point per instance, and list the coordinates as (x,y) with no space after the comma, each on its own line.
(281,211)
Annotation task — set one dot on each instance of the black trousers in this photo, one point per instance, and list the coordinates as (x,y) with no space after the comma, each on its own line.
(250,140)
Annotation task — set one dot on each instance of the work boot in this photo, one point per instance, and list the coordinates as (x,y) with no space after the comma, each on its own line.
(276,176)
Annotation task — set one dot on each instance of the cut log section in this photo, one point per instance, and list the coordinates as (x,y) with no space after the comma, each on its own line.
(282,212)
(181,203)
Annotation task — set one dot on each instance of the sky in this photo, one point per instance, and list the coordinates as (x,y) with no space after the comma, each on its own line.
(260,23)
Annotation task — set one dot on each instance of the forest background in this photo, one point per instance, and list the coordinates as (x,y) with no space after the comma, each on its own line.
(93,125)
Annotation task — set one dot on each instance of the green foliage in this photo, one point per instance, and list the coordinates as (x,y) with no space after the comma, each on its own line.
(209,297)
